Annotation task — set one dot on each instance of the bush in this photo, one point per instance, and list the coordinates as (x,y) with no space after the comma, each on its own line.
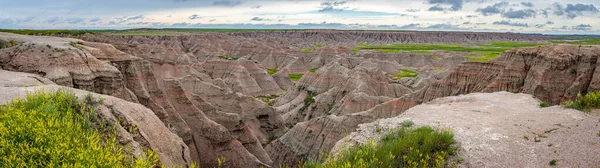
(313,70)
(543,104)
(585,103)
(421,147)
(58,130)
(552,162)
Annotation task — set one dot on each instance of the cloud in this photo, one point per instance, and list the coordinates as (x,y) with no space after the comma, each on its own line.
(527,4)
(135,17)
(52,20)
(508,23)
(573,10)
(7,23)
(75,20)
(443,27)
(411,26)
(519,14)
(436,8)
(583,27)
(466,23)
(194,16)
(549,22)
(256,7)
(227,3)
(493,9)
(259,19)
(413,10)
(95,20)
(332,6)
(212,20)
(456,4)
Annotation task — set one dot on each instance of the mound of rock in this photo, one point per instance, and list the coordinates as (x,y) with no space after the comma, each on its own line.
(500,130)
(150,132)
(552,73)
(212,120)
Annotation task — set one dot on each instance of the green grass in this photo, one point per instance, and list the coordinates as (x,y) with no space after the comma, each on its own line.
(475,53)
(272,71)
(56,129)
(406,147)
(227,58)
(584,41)
(267,99)
(306,49)
(295,77)
(405,73)
(544,105)
(438,68)
(319,45)
(585,103)
(272,96)
(313,70)
(355,50)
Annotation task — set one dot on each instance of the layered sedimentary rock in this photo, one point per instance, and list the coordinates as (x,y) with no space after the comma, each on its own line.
(136,126)
(174,90)
(204,86)
(552,73)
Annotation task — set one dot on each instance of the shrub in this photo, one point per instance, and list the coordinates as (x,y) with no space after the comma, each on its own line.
(55,129)
(543,104)
(552,162)
(421,147)
(585,103)
(407,123)
(313,70)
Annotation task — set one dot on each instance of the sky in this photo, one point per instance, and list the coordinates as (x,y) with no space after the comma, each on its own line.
(525,16)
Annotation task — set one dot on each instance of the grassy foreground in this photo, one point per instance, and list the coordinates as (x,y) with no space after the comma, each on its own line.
(406,147)
(56,129)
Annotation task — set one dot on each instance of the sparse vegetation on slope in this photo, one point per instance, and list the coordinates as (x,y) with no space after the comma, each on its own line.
(267,99)
(405,73)
(307,49)
(227,57)
(59,130)
(295,77)
(406,147)
(586,102)
(272,71)
(313,70)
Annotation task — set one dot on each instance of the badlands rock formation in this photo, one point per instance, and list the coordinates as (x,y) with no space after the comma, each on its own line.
(203,86)
(500,129)
(552,73)
(122,115)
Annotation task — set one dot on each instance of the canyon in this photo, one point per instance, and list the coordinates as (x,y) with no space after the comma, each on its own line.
(232,95)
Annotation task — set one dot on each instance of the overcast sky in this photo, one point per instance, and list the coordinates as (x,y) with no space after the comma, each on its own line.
(539,16)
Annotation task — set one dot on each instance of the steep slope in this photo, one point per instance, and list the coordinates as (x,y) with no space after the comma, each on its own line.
(500,130)
(137,126)
(551,73)
(174,97)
